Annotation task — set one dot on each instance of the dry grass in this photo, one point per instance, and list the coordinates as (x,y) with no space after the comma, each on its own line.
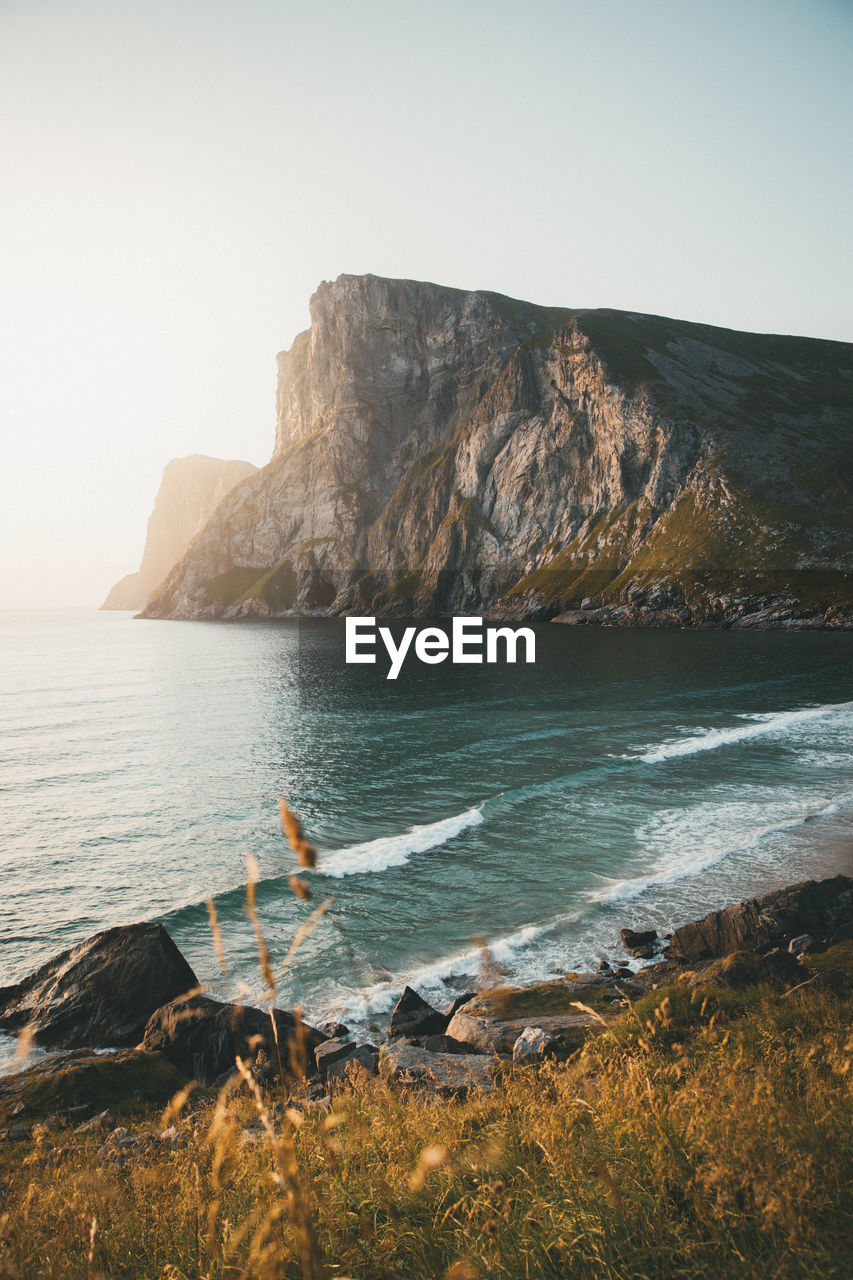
(706,1134)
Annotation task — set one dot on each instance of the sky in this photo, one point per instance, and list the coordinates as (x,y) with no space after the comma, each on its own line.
(179,175)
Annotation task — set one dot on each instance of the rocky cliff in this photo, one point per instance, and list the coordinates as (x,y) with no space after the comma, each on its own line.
(440,452)
(189,493)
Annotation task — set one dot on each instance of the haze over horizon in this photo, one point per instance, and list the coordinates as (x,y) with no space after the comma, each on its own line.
(181,177)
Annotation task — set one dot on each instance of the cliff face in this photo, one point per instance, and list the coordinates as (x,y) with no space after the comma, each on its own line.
(447,452)
(189,493)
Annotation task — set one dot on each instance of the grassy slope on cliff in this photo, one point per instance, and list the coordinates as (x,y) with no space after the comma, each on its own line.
(706,1134)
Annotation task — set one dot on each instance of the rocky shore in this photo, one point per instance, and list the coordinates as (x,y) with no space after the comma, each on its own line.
(751,613)
(130,990)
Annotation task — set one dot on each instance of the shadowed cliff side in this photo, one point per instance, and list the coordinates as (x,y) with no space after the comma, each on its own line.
(439,451)
(189,493)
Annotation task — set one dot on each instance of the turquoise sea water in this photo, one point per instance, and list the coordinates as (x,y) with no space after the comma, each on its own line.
(629,777)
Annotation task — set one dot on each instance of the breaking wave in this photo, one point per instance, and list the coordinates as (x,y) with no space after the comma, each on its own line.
(395,851)
(711,739)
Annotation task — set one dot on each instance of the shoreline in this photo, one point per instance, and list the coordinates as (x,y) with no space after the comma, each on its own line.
(664,1110)
(759,615)
(653,955)
(449,975)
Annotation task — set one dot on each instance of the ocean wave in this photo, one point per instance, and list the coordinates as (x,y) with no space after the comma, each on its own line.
(430,979)
(395,851)
(675,865)
(711,739)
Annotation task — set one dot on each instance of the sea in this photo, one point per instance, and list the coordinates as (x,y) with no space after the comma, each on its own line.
(514,814)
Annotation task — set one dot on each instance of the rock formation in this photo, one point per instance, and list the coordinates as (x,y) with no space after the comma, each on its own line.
(189,493)
(823,909)
(101,993)
(441,452)
(203,1037)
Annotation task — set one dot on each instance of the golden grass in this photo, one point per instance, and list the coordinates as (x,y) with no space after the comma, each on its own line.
(706,1134)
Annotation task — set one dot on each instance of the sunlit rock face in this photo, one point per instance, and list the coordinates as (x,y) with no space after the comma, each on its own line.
(189,493)
(440,451)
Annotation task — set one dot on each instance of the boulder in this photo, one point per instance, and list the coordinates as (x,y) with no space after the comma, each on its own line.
(479,1034)
(458,1003)
(100,993)
(822,908)
(331,1052)
(203,1037)
(447,1074)
(801,945)
(77,1082)
(336,1058)
(569,1031)
(493,1036)
(335,1030)
(638,938)
(412,1016)
(577,981)
(441,1044)
(533,1044)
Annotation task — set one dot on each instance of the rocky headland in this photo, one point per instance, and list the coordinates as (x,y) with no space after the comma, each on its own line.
(440,451)
(189,493)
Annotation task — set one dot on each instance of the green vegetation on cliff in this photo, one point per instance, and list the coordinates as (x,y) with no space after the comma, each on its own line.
(448,452)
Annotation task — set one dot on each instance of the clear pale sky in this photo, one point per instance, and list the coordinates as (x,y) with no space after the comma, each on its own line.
(178,176)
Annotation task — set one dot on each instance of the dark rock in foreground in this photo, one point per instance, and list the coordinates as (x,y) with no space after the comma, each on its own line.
(336,1059)
(413,1017)
(203,1037)
(640,942)
(446,1074)
(75,1083)
(821,908)
(101,993)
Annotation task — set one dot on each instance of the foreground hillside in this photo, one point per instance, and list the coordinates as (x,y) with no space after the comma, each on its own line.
(707,1135)
(441,452)
(699,1127)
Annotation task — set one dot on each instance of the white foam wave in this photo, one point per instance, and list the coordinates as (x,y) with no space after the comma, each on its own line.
(676,864)
(430,979)
(711,739)
(395,851)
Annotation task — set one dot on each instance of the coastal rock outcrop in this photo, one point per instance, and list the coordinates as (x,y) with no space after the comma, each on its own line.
(447,1074)
(337,1059)
(532,1045)
(70,1086)
(100,993)
(203,1037)
(189,493)
(441,451)
(821,908)
(414,1018)
(566,1031)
